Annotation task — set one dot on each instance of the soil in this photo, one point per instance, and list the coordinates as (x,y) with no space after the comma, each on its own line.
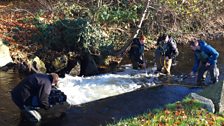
(213,30)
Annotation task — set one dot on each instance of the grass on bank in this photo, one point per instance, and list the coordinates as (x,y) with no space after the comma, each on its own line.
(188,112)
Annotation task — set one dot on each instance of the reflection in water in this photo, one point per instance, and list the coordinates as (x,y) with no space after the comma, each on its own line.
(9,112)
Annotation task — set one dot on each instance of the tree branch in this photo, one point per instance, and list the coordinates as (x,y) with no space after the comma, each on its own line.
(127,45)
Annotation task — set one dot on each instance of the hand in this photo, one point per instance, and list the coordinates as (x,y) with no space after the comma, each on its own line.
(191,73)
(207,64)
(144,65)
(167,58)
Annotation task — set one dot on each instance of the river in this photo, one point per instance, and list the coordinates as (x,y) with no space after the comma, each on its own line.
(97,100)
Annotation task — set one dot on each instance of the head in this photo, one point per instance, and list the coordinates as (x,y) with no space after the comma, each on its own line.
(142,38)
(55,78)
(164,37)
(167,37)
(194,45)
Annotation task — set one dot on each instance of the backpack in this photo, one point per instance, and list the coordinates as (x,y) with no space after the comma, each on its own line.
(57,97)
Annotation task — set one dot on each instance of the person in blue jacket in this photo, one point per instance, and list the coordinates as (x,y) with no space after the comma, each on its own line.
(33,91)
(205,59)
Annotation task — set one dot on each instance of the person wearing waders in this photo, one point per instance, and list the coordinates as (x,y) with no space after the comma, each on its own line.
(32,92)
(205,59)
(136,53)
(165,52)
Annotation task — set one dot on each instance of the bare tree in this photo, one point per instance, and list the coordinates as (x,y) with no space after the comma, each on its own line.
(127,45)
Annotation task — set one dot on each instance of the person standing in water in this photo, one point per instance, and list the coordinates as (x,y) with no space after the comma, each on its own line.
(205,59)
(165,52)
(136,53)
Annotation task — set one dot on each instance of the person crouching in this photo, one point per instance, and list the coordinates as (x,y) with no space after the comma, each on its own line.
(32,92)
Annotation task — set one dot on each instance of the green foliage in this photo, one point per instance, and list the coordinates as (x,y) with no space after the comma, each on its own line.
(129,122)
(76,26)
(193,13)
(71,10)
(113,14)
(186,112)
(72,35)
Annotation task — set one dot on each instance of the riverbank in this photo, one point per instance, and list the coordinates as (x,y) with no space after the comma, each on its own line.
(98,112)
(19,26)
(114,108)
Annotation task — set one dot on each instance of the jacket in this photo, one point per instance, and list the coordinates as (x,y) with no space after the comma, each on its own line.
(170,48)
(205,49)
(137,48)
(35,85)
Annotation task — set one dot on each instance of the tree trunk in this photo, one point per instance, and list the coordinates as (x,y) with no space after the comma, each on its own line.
(127,45)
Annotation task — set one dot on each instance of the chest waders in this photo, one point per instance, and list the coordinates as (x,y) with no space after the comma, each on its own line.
(203,69)
(202,56)
(159,56)
(163,64)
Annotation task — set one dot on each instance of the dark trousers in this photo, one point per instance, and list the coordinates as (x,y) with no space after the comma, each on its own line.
(212,69)
(17,100)
(159,59)
(27,112)
(136,61)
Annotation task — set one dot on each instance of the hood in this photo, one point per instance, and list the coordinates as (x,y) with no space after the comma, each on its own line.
(202,43)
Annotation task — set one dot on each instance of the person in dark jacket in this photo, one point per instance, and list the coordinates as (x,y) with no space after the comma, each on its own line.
(205,59)
(34,91)
(136,52)
(165,52)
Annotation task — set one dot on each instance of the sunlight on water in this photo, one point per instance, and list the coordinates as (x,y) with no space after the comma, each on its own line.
(85,89)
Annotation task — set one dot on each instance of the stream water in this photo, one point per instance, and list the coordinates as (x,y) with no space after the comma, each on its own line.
(97,100)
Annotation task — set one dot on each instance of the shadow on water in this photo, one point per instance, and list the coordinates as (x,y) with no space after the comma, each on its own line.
(111,109)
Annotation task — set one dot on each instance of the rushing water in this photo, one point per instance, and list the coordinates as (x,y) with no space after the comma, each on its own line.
(80,90)
(85,89)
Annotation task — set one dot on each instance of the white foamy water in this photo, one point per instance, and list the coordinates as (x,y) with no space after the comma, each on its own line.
(85,89)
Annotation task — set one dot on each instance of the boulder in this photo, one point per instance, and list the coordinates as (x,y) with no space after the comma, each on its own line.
(37,65)
(208,104)
(60,62)
(88,66)
(5,57)
(215,92)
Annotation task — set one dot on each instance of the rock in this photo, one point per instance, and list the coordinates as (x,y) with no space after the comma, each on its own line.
(37,65)
(216,94)
(60,62)
(208,104)
(5,57)
(88,65)
(75,71)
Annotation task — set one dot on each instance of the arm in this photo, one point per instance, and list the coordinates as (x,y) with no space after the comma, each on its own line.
(44,96)
(196,64)
(213,54)
(175,51)
(172,50)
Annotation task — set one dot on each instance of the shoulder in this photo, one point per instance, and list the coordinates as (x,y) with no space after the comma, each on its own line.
(173,43)
(135,41)
(202,43)
(42,78)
